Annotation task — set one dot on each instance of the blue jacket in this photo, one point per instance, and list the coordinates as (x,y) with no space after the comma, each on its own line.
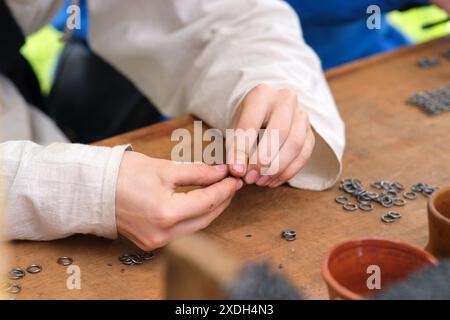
(337,29)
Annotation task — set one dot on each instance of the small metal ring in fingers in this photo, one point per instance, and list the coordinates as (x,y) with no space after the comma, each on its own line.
(148,255)
(342,199)
(399,202)
(410,195)
(34,268)
(64,261)
(366,206)
(350,206)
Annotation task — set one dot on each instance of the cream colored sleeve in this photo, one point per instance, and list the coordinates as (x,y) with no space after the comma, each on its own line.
(55,191)
(203,56)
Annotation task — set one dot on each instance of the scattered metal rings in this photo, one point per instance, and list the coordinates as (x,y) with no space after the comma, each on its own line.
(350,206)
(34,268)
(64,261)
(289,235)
(366,206)
(16,273)
(410,195)
(14,288)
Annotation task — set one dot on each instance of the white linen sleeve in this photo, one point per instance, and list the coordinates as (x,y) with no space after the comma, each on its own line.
(203,56)
(55,191)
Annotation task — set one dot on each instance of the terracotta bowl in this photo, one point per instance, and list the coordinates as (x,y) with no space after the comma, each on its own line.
(439,223)
(345,267)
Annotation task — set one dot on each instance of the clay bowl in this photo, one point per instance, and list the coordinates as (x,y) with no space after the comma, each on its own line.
(439,223)
(345,267)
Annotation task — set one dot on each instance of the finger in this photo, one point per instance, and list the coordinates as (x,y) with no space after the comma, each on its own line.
(199,223)
(292,146)
(248,121)
(200,201)
(298,164)
(195,174)
(280,120)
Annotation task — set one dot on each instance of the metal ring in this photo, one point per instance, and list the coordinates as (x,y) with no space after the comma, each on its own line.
(149,255)
(394,215)
(387,203)
(289,235)
(397,185)
(128,262)
(400,202)
(34,268)
(376,184)
(14,288)
(342,199)
(410,195)
(136,259)
(350,206)
(366,207)
(64,261)
(387,219)
(16,273)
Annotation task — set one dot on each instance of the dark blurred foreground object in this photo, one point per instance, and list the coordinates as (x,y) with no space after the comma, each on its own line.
(431,283)
(198,269)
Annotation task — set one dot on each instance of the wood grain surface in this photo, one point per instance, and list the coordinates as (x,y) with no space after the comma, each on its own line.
(386,139)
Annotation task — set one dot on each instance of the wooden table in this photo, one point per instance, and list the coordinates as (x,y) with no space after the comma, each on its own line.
(386,139)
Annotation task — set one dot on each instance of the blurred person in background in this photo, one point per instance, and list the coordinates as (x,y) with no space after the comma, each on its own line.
(337,29)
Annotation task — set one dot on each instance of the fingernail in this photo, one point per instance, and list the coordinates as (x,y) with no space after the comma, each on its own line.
(274,183)
(280,182)
(239,168)
(262,181)
(239,184)
(251,177)
(221,167)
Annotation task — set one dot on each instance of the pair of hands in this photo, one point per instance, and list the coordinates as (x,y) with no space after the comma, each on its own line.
(150,212)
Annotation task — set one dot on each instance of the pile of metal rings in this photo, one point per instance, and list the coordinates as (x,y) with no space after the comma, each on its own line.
(426,189)
(391,194)
(432,102)
(388,197)
(428,62)
(289,235)
(136,258)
